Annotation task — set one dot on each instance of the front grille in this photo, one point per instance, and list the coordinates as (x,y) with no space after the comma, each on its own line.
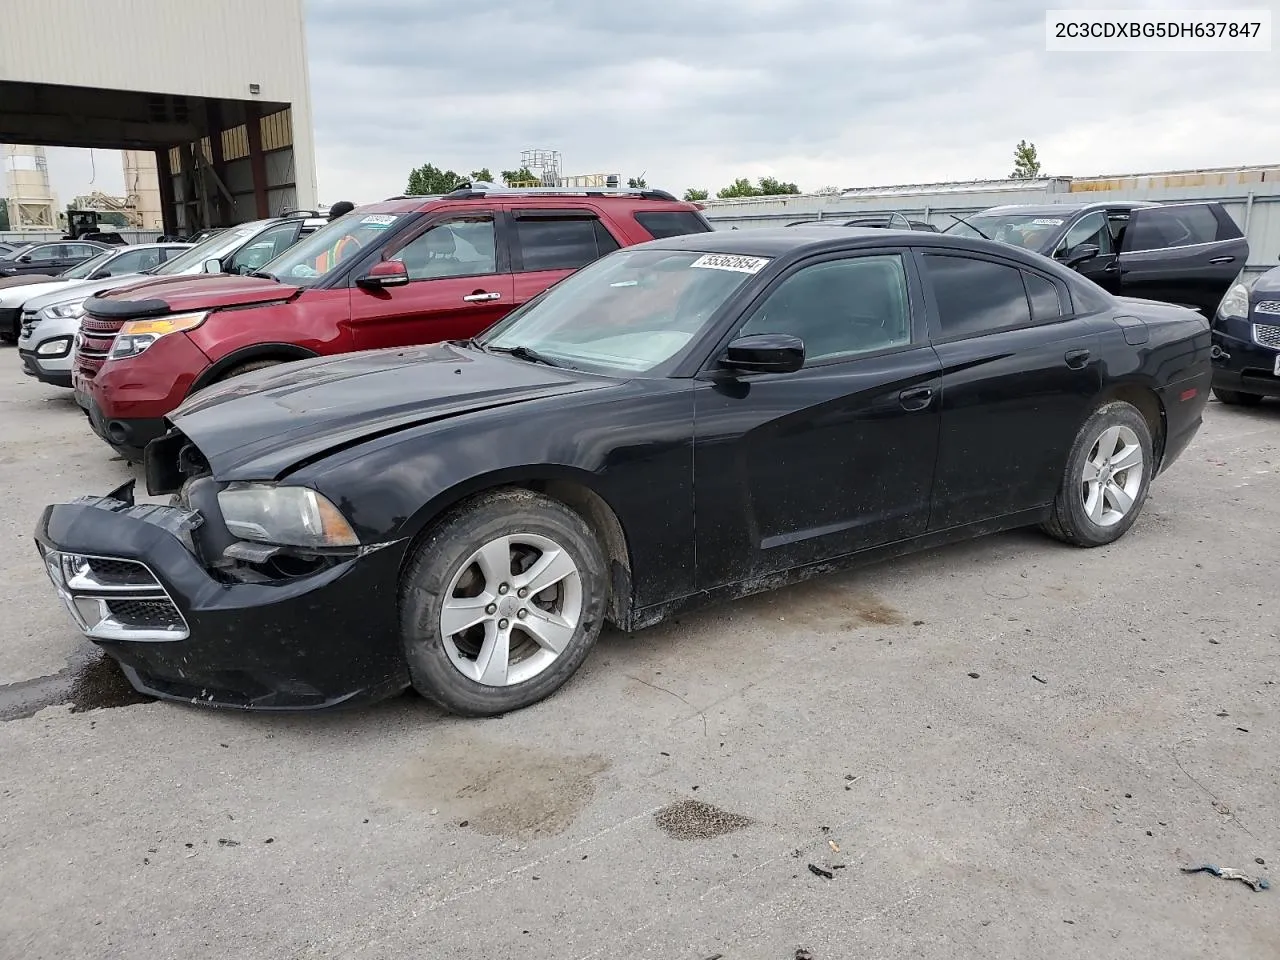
(115,599)
(96,338)
(109,572)
(145,614)
(1266,335)
(1267,306)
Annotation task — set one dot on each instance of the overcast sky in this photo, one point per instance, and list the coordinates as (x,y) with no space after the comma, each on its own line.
(698,92)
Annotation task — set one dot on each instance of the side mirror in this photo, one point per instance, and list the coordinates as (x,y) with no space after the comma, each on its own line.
(765,353)
(213,265)
(101,274)
(25,258)
(384,273)
(1079,254)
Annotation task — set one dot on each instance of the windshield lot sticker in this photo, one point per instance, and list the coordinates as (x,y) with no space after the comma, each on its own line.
(383,219)
(1047,222)
(724,261)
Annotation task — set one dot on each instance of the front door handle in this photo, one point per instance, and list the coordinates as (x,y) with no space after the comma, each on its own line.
(917,398)
(481,297)
(1222,260)
(1111,267)
(1076,359)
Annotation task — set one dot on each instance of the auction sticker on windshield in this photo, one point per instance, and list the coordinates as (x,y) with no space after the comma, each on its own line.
(1047,222)
(381,219)
(725,261)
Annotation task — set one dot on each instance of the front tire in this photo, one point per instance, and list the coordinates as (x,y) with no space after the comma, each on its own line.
(1235,398)
(1106,480)
(501,603)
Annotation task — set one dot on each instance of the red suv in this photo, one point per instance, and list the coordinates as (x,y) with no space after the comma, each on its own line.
(406,271)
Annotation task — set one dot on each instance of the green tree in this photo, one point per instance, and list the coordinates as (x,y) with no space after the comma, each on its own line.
(481,176)
(742,187)
(764,187)
(637,183)
(773,187)
(1026,165)
(429,179)
(523,175)
(694,194)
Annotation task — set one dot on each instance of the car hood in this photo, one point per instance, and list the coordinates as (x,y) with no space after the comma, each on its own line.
(24,279)
(17,296)
(1267,286)
(206,291)
(80,289)
(260,425)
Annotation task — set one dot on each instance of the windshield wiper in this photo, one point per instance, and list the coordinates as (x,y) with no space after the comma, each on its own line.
(263,275)
(528,353)
(969,225)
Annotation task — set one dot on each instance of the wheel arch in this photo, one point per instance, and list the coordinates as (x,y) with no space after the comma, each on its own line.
(1144,397)
(258,351)
(573,488)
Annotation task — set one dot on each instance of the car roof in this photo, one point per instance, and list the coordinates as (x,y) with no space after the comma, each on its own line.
(148,246)
(794,242)
(1048,209)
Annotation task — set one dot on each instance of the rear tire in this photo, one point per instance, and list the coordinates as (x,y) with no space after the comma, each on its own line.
(1106,480)
(1235,398)
(479,570)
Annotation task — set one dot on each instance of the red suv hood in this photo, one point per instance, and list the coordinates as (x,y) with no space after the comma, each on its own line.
(205,292)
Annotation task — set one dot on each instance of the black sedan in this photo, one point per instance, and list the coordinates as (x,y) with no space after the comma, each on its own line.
(48,258)
(1246,339)
(691,419)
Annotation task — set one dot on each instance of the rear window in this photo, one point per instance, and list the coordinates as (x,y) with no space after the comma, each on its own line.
(561,243)
(671,223)
(1158,228)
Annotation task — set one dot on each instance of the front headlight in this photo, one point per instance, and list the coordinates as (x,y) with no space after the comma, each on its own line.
(73,310)
(136,335)
(288,516)
(1236,302)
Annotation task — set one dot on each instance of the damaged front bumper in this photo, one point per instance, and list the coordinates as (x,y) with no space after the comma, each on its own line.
(133,578)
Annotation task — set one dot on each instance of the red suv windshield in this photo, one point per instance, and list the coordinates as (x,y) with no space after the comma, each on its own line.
(308,262)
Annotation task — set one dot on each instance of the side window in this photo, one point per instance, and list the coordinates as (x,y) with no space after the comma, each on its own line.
(1156,228)
(81,251)
(660,224)
(48,251)
(464,246)
(561,242)
(172,253)
(263,249)
(976,296)
(1092,228)
(840,307)
(1043,294)
(134,261)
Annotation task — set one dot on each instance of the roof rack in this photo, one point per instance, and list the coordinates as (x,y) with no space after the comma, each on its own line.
(468,191)
(414,196)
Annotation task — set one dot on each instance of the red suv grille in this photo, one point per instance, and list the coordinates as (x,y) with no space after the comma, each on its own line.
(96,337)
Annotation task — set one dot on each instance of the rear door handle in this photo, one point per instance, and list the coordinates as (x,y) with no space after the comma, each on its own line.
(1076,359)
(1222,260)
(481,297)
(917,398)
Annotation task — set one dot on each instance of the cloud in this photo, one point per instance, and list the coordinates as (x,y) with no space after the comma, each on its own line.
(697,92)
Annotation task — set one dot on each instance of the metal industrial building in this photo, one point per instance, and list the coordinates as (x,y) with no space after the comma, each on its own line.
(217,91)
(1250,194)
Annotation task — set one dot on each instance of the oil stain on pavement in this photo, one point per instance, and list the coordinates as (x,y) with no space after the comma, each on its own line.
(498,790)
(90,681)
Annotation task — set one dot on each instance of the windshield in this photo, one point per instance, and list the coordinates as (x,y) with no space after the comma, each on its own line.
(17,251)
(215,248)
(628,312)
(83,270)
(318,255)
(1031,231)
